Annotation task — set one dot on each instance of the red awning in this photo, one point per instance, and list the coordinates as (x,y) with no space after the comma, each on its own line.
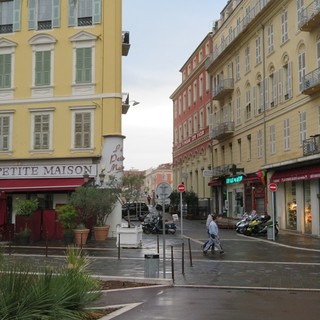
(304,173)
(32,185)
(215,183)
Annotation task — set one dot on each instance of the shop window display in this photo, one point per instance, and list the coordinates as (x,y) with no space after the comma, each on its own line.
(307,207)
(291,214)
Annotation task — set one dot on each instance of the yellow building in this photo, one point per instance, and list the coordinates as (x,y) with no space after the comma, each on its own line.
(265,81)
(61,98)
(265,116)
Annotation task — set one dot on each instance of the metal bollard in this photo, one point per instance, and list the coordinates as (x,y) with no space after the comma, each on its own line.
(119,246)
(190,254)
(182,258)
(46,244)
(172,264)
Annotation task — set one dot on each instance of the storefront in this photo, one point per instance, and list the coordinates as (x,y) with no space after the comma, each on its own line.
(50,184)
(297,199)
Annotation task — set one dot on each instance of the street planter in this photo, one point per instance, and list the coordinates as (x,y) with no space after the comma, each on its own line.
(101,233)
(80,236)
(129,237)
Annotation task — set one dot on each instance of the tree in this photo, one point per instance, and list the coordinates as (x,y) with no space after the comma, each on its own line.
(127,189)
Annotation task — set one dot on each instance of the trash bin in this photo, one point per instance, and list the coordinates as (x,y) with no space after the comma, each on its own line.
(270,232)
(151,266)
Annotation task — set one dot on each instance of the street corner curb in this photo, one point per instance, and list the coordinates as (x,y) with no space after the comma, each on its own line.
(155,281)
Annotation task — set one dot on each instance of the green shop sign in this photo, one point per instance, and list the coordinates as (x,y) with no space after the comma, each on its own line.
(236,179)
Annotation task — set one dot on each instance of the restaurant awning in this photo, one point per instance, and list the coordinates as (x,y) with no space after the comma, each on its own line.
(36,185)
(215,183)
(296,174)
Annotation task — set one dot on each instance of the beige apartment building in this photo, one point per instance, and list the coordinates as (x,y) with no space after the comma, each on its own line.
(265,121)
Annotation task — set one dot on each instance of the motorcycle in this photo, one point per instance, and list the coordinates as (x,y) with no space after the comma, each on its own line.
(244,222)
(155,226)
(260,225)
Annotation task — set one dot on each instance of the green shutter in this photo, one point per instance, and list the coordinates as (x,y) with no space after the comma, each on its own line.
(16,15)
(43,68)
(84,65)
(32,14)
(4,133)
(71,13)
(56,14)
(82,130)
(96,11)
(5,70)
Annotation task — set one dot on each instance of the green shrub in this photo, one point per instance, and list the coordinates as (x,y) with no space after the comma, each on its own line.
(64,293)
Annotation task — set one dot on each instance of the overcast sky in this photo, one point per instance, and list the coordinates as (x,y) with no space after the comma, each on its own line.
(163,35)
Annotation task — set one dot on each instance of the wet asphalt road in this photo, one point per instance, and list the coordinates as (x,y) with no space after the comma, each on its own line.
(255,279)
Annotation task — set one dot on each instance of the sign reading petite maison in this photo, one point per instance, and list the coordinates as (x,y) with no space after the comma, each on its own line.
(49,171)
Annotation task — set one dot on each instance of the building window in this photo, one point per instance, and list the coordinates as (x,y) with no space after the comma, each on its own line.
(6,17)
(286,134)
(189,97)
(195,90)
(5,70)
(287,80)
(284,27)
(84,12)
(43,14)
(190,126)
(300,9)
(270,39)
(201,86)
(83,65)
(237,67)
(5,133)
(42,68)
(260,144)
(248,103)
(201,120)
(258,49)
(301,69)
(247,59)
(41,131)
(239,151)
(302,127)
(184,102)
(207,81)
(238,109)
(273,139)
(43,58)
(82,129)
(249,147)
(195,123)
(291,205)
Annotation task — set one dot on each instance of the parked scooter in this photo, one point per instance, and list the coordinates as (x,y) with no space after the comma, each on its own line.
(244,222)
(260,225)
(155,226)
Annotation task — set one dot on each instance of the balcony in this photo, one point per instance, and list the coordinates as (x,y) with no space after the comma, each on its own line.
(220,171)
(242,27)
(125,43)
(222,130)
(224,88)
(6,28)
(312,145)
(310,17)
(311,82)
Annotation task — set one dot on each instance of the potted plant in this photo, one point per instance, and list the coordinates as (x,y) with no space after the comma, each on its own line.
(25,208)
(67,217)
(105,203)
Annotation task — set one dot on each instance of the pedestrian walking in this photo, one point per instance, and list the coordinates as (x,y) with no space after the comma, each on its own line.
(214,239)
(209,219)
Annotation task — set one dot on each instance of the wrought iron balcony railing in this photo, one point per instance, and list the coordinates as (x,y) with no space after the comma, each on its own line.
(312,145)
(224,88)
(222,130)
(6,28)
(309,18)
(311,82)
